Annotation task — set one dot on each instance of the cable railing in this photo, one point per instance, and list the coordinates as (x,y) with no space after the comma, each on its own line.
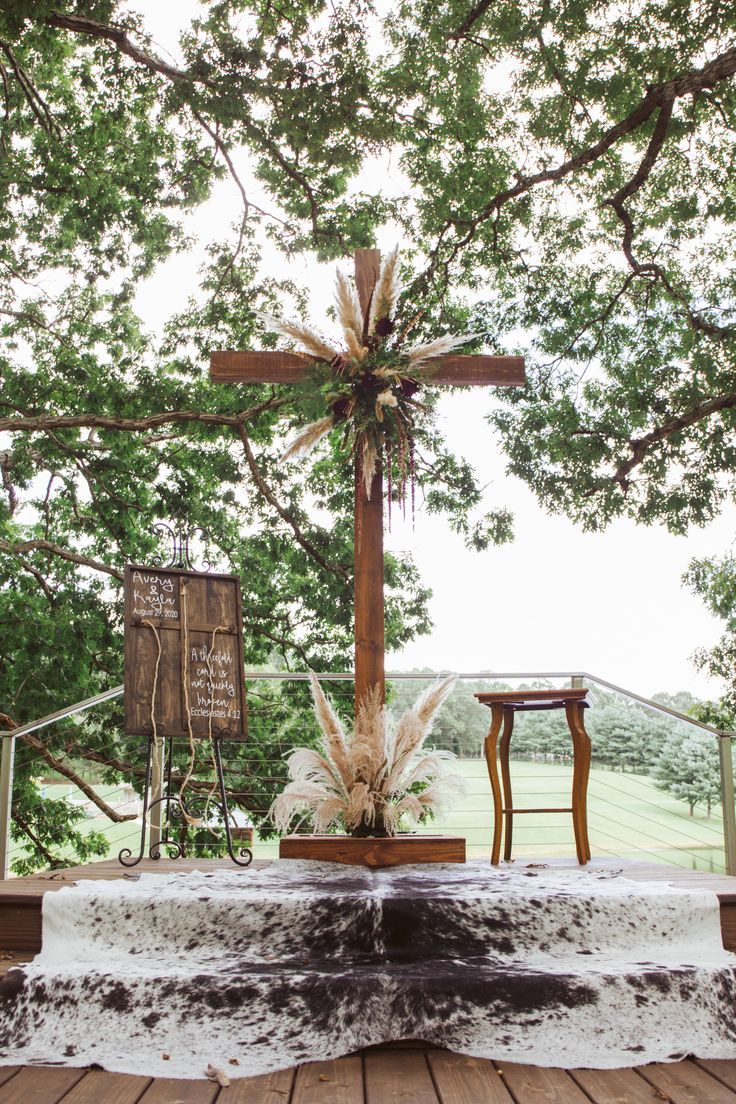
(636,807)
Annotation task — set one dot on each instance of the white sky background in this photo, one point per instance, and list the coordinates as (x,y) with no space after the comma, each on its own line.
(556,599)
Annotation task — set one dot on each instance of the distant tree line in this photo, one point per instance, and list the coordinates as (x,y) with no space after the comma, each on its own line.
(680,758)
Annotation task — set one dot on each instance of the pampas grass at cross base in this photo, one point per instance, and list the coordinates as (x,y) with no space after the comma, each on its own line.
(374,778)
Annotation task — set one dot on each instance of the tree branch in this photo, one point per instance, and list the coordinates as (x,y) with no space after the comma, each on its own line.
(472,17)
(643,445)
(57,550)
(40,579)
(33,97)
(83,25)
(638,179)
(53,860)
(135,425)
(263,487)
(687,84)
(79,782)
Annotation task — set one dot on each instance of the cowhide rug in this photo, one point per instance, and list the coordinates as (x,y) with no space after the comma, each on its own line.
(256,970)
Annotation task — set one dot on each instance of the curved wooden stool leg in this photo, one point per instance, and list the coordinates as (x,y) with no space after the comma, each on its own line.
(490,747)
(580,773)
(508,801)
(584,776)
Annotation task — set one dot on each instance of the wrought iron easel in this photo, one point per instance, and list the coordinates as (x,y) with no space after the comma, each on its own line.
(176,807)
(180,539)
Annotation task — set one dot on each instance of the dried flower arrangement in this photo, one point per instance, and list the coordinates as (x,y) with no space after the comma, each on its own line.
(371,781)
(368,387)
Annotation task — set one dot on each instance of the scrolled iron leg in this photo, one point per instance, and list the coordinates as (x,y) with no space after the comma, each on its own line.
(245,855)
(125,856)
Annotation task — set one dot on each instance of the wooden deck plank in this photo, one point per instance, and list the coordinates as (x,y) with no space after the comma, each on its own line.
(723,1069)
(619,1086)
(686,1083)
(339,1081)
(392,1076)
(270,1088)
(17,958)
(101,1087)
(398,1077)
(167,1090)
(538,1085)
(40,1085)
(460,1079)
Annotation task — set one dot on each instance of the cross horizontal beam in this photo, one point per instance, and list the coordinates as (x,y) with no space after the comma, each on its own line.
(281,367)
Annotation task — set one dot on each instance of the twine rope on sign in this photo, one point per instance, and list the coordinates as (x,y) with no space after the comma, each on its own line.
(154,690)
(196,821)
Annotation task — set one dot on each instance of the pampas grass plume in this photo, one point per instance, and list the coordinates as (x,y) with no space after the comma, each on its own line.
(349,314)
(332,730)
(308,438)
(419,354)
(311,341)
(386,291)
(366,778)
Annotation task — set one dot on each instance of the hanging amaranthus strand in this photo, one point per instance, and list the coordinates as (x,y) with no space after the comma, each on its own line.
(366,387)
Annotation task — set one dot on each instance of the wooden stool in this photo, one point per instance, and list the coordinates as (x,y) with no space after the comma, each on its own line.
(503,705)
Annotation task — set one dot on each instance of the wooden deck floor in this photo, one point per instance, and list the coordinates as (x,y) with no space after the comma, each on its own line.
(386,1075)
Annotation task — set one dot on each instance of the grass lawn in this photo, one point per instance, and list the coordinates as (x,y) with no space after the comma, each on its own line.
(627,817)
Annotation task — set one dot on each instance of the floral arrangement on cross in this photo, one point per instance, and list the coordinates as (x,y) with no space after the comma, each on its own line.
(367,388)
(379,776)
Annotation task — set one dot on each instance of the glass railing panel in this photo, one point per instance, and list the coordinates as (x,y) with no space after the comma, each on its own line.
(655,785)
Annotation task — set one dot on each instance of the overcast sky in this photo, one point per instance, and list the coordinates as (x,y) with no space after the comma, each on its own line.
(611,604)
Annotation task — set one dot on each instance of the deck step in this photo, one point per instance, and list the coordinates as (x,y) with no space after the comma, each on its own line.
(21,898)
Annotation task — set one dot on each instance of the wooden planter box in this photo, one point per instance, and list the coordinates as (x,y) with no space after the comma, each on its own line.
(374,851)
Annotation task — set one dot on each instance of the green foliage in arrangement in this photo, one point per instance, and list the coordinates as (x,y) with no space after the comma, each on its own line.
(562,182)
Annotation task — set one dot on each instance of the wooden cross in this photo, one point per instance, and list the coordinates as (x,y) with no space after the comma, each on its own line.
(284,367)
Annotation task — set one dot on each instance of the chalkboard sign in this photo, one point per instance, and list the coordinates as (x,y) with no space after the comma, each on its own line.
(183,654)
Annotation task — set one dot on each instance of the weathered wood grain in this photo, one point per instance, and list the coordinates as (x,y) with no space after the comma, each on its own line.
(39,1085)
(368,596)
(101,1087)
(230,366)
(270,1088)
(373,851)
(534,1085)
(203,612)
(398,1075)
(686,1083)
(460,1079)
(387,1075)
(339,1081)
(171,1091)
(624,1086)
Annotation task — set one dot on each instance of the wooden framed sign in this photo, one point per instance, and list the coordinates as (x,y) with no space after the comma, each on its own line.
(184,671)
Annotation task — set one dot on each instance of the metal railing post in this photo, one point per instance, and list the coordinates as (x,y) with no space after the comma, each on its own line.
(576,682)
(728,799)
(7,761)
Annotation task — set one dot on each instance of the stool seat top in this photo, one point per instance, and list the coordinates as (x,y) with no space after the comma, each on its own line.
(530,698)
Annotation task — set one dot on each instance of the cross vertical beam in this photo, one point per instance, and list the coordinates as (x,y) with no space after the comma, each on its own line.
(230,366)
(370,668)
